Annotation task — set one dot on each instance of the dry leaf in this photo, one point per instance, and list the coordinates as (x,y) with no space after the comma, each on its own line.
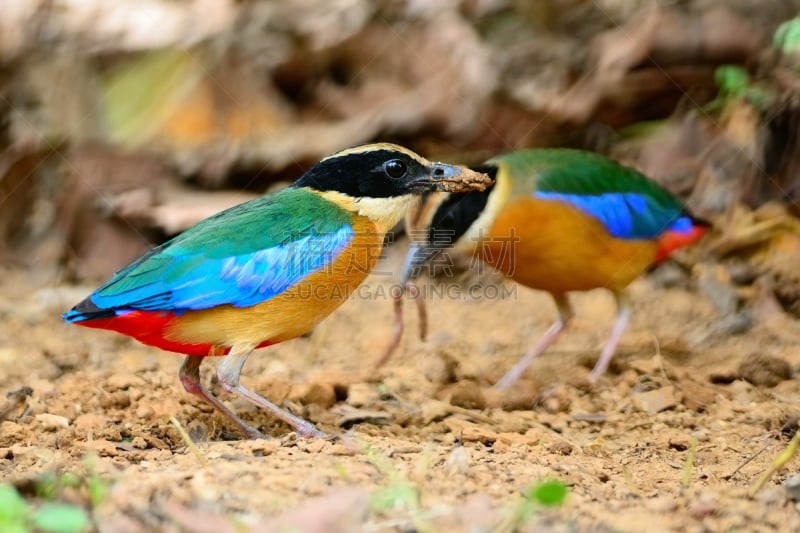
(662,36)
(18,188)
(174,209)
(85,228)
(124,25)
(438,74)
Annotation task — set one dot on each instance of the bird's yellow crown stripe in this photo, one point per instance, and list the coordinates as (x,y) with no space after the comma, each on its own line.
(365,148)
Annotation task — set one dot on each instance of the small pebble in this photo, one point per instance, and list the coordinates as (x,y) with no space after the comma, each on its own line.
(322,394)
(52,422)
(312,445)
(773,495)
(657,400)
(706,505)
(90,422)
(520,397)
(260,447)
(115,400)
(662,505)
(440,368)
(341,449)
(465,394)
(792,486)
(679,444)
(118,382)
(363,394)
(459,460)
(560,447)
(103,448)
(144,411)
(11,432)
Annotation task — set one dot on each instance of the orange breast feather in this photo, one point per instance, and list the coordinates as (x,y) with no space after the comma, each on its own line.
(555,247)
(297,310)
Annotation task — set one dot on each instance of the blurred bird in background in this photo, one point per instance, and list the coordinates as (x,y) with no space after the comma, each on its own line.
(557,220)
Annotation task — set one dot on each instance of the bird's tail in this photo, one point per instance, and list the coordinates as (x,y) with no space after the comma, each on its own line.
(672,240)
(87,310)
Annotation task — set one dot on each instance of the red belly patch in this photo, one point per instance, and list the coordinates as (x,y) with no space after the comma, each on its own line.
(150,327)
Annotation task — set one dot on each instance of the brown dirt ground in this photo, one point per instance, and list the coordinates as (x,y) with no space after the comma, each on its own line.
(430,425)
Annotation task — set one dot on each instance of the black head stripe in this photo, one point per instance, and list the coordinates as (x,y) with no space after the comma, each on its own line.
(454,217)
(363,174)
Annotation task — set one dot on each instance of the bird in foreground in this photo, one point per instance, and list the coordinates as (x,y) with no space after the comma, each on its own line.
(270,269)
(557,220)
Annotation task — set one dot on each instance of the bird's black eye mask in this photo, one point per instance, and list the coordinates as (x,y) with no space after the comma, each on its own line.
(374,174)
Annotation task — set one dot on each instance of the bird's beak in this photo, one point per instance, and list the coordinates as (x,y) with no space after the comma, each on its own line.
(450,178)
(418,254)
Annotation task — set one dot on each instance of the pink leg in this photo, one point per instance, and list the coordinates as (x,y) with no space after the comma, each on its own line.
(228,373)
(399,326)
(422,312)
(397,330)
(190,378)
(623,317)
(564,317)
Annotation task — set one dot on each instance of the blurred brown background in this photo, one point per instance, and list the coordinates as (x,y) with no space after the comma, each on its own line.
(123,123)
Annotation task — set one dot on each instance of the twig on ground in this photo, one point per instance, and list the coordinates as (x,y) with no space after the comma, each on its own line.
(189,442)
(779,462)
(689,465)
(747,461)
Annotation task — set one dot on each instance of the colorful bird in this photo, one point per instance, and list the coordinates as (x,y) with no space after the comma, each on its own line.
(270,269)
(557,220)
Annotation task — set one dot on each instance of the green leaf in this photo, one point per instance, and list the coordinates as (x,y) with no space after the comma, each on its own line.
(732,80)
(787,36)
(47,486)
(550,493)
(16,527)
(97,490)
(141,93)
(397,495)
(98,487)
(70,480)
(12,507)
(759,97)
(60,518)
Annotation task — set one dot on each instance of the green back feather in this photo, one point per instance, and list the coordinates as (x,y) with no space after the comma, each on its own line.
(259,224)
(577,172)
(262,223)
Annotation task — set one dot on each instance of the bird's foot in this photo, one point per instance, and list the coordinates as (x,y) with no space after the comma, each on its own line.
(190,378)
(290,438)
(594,376)
(308,431)
(252,433)
(304,428)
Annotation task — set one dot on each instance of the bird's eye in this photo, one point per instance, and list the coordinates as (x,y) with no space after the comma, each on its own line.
(395,168)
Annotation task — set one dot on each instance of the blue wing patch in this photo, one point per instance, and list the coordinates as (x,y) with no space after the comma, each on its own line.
(191,282)
(626,215)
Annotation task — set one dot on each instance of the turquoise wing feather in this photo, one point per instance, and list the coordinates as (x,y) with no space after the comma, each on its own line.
(627,203)
(242,256)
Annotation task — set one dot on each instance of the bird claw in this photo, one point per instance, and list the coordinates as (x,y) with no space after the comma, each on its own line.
(311,432)
(253,434)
